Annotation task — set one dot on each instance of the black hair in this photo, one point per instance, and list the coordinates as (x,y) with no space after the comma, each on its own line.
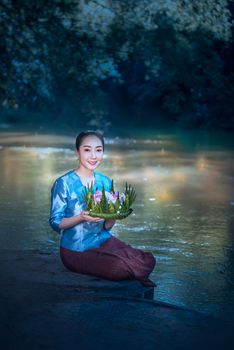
(83,134)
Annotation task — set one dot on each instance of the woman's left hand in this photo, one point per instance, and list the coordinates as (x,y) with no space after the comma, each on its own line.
(109,223)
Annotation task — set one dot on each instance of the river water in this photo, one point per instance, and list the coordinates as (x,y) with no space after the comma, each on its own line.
(183,214)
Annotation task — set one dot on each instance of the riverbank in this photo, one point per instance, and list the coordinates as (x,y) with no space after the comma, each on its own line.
(33,134)
(45,306)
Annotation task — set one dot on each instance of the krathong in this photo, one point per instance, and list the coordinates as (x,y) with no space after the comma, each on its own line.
(109,205)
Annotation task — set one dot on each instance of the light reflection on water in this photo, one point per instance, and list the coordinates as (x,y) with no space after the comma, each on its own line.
(184,211)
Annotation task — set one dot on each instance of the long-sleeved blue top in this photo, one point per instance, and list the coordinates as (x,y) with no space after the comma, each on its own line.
(67,201)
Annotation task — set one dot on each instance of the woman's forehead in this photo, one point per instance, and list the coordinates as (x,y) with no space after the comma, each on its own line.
(91,140)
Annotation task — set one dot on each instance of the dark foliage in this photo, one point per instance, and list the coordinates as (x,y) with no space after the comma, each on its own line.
(98,63)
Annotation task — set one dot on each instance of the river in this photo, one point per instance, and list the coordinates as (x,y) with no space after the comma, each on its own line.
(183,214)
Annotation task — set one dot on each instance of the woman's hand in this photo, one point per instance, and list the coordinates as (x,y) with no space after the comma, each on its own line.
(86,217)
(75,220)
(109,223)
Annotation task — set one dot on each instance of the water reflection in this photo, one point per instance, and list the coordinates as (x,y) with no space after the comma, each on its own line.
(184,211)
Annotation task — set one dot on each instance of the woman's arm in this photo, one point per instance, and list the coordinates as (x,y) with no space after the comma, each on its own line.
(58,219)
(74,220)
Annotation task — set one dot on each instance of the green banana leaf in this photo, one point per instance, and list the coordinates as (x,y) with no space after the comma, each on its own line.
(113,216)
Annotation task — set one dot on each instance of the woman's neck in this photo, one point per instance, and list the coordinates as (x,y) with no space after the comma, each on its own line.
(84,172)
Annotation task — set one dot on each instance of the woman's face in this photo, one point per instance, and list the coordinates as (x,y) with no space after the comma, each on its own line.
(90,152)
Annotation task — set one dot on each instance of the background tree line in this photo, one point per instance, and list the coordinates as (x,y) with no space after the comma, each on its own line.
(148,62)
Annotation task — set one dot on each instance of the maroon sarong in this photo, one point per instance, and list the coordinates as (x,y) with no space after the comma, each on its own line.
(113,260)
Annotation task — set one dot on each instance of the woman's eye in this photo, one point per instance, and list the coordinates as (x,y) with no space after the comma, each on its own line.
(99,150)
(86,150)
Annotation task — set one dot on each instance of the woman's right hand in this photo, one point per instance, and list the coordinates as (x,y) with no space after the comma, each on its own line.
(86,217)
(75,220)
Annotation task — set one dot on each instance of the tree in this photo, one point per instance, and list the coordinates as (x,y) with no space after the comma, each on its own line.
(89,57)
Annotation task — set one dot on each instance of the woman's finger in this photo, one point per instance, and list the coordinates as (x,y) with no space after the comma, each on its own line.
(91,218)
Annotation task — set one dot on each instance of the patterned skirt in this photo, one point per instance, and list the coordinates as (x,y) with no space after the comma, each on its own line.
(113,260)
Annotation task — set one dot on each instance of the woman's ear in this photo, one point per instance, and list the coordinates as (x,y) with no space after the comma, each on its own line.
(77,154)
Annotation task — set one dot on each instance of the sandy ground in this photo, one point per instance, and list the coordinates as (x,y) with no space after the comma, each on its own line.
(45,306)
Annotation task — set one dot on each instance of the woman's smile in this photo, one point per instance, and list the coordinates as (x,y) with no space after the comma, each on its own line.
(90,154)
(92,162)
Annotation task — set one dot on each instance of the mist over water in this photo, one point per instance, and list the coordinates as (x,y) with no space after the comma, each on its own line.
(183,214)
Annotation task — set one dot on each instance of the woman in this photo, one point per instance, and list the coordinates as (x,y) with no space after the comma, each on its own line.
(87,245)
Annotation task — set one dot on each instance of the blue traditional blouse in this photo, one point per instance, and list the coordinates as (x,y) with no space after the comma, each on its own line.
(67,201)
